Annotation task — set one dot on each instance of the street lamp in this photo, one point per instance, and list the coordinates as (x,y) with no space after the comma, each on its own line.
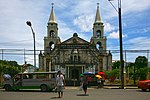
(29,24)
(120,37)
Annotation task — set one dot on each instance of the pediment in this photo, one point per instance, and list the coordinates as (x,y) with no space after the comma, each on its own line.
(75,40)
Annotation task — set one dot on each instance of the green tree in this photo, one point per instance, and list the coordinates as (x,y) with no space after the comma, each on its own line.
(116,65)
(9,67)
(11,70)
(141,70)
(141,62)
(142,73)
(115,72)
(112,75)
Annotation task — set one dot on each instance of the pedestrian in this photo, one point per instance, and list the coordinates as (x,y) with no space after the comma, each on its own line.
(85,83)
(100,82)
(81,82)
(60,82)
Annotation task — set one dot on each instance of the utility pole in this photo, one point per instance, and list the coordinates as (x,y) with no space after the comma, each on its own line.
(121,47)
(120,40)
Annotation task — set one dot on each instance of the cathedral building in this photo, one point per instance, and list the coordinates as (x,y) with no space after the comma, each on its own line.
(75,55)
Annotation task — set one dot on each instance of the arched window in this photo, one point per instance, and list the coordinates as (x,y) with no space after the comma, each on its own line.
(99,46)
(75,55)
(75,58)
(52,34)
(98,33)
(51,45)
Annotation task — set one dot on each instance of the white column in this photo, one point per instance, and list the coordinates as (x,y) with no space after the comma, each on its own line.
(49,66)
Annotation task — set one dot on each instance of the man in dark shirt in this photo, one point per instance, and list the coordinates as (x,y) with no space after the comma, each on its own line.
(85,83)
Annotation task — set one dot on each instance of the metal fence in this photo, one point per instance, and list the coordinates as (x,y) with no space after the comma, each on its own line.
(22,55)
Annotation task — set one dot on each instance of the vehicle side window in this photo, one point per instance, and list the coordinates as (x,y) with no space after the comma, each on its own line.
(28,76)
(41,76)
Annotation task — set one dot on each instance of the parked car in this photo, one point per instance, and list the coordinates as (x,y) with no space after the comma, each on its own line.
(144,85)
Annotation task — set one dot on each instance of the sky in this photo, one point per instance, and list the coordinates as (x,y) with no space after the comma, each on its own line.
(73,16)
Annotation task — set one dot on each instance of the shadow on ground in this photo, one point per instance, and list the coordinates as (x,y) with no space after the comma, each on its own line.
(82,94)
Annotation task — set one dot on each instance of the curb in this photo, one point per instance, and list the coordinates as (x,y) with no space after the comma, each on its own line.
(104,87)
(120,88)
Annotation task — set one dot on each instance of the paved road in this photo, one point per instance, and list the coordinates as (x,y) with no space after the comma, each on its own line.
(75,94)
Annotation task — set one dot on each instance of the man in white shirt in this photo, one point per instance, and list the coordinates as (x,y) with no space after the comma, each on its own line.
(60,84)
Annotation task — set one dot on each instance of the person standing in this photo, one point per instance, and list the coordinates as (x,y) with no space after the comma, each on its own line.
(81,82)
(60,82)
(100,82)
(85,84)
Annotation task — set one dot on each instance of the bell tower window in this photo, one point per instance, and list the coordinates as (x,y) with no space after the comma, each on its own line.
(52,34)
(99,46)
(98,33)
(51,45)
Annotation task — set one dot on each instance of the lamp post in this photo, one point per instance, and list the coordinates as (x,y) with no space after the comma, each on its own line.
(29,24)
(120,38)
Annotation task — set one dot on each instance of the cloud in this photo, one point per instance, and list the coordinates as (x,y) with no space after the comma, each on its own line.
(64,31)
(13,21)
(146,29)
(134,6)
(108,27)
(84,22)
(115,35)
(84,7)
(139,40)
(138,43)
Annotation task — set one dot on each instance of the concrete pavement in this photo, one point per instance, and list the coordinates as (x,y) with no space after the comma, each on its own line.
(73,93)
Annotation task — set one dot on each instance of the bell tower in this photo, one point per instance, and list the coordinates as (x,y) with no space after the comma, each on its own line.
(98,39)
(52,32)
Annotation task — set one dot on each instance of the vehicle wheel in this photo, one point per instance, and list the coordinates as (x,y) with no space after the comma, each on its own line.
(7,87)
(44,88)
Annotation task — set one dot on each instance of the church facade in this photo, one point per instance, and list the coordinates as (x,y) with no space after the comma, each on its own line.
(75,55)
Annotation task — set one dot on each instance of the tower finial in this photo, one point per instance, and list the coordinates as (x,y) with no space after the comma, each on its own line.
(98,17)
(97,4)
(52,4)
(52,18)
